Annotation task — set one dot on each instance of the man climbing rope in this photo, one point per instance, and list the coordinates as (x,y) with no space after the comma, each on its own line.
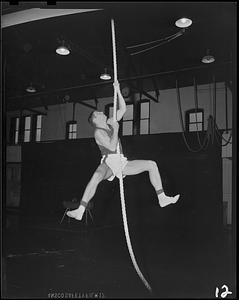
(106,137)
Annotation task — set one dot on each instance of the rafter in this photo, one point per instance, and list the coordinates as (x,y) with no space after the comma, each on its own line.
(35,111)
(143,92)
(88,105)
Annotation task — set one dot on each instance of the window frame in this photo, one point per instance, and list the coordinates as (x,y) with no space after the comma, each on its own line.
(139,109)
(36,129)
(27,130)
(22,129)
(131,121)
(14,131)
(68,132)
(188,122)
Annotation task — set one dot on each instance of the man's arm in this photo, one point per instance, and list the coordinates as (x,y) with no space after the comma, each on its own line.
(104,140)
(122,106)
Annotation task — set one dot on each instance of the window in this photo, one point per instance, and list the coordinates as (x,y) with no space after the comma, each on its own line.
(20,130)
(144,117)
(25,129)
(16,131)
(128,119)
(195,120)
(71,130)
(38,128)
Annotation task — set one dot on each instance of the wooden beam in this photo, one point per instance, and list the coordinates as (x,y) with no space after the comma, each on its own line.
(96,101)
(143,92)
(228,83)
(44,103)
(154,81)
(73,111)
(101,84)
(88,105)
(35,111)
(139,80)
(156,89)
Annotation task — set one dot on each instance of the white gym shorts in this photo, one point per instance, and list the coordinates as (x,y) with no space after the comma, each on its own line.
(114,162)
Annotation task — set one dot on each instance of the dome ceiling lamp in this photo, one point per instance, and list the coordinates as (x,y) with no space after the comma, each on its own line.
(31,89)
(208,58)
(105,75)
(62,49)
(183,22)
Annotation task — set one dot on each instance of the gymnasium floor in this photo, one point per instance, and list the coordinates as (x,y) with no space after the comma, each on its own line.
(45,259)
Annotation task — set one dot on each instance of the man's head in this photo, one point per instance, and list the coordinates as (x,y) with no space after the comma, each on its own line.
(97,118)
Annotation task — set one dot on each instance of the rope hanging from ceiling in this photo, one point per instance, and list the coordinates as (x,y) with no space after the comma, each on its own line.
(213,132)
(208,134)
(122,198)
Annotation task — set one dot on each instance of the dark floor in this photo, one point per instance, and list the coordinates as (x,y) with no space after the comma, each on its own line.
(45,259)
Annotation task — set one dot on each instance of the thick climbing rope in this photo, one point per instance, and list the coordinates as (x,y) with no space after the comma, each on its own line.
(126,229)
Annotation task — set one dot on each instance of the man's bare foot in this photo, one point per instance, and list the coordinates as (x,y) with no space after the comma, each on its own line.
(76,213)
(165,200)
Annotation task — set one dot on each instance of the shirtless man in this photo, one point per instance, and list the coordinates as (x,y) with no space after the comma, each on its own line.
(106,137)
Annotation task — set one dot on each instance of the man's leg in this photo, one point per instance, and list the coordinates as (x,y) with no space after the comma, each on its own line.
(135,167)
(101,173)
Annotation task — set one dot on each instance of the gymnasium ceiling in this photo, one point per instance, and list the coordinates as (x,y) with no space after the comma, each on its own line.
(29,49)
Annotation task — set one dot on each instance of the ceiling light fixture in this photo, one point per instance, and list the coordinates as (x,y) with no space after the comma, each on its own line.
(105,75)
(31,89)
(207,59)
(62,49)
(183,22)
